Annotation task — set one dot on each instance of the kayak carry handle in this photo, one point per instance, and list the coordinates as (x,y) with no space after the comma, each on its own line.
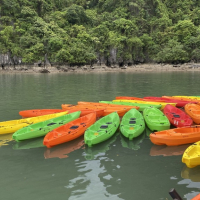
(173,193)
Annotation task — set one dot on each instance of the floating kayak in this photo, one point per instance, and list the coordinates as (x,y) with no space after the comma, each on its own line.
(191,156)
(140,105)
(38,112)
(84,111)
(193,110)
(69,131)
(42,128)
(176,136)
(196,197)
(102,129)
(163,104)
(179,103)
(155,119)
(14,125)
(177,117)
(132,124)
(107,105)
(106,109)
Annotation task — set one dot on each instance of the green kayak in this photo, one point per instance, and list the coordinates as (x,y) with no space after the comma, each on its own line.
(155,119)
(102,129)
(42,128)
(132,124)
(141,105)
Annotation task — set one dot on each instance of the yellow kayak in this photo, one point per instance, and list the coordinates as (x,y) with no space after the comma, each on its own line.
(14,125)
(188,97)
(145,102)
(191,156)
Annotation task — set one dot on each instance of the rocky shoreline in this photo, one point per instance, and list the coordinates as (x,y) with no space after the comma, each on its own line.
(100,68)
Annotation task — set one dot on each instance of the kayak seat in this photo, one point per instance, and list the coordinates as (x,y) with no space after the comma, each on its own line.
(104,126)
(132,122)
(51,124)
(176,116)
(109,123)
(73,127)
(132,118)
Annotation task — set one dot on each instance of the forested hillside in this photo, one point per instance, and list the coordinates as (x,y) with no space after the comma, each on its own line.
(116,31)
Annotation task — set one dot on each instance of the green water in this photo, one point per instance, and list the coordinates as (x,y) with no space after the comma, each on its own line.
(115,169)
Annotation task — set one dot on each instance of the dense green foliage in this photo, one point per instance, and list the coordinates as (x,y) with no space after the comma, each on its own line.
(80,31)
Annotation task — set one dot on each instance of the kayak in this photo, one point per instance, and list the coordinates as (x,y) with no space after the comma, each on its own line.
(191,156)
(14,125)
(69,131)
(176,136)
(177,117)
(179,103)
(196,197)
(193,110)
(163,104)
(102,129)
(107,105)
(106,109)
(38,112)
(42,128)
(155,119)
(140,105)
(132,124)
(84,111)
(183,99)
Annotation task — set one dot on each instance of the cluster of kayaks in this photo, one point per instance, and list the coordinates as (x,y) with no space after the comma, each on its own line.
(172,120)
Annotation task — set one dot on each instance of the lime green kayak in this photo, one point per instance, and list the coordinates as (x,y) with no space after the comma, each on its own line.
(155,119)
(141,105)
(42,128)
(132,124)
(102,129)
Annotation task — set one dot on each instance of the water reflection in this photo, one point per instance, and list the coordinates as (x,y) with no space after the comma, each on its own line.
(191,173)
(62,150)
(29,144)
(163,150)
(99,149)
(132,144)
(4,139)
(91,180)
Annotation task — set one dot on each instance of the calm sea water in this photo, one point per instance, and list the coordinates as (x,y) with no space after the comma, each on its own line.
(115,169)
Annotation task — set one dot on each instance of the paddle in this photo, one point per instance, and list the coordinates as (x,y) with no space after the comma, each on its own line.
(174,194)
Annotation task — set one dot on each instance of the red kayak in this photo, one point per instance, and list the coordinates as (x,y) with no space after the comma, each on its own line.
(69,131)
(179,103)
(177,117)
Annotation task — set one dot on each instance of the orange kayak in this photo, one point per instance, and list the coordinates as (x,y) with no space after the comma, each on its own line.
(62,151)
(193,110)
(99,112)
(69,131)
(38,112)
(196,197)
(176,136)
(121,110)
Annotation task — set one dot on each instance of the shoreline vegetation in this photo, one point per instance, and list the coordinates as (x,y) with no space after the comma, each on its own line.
(99,68)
